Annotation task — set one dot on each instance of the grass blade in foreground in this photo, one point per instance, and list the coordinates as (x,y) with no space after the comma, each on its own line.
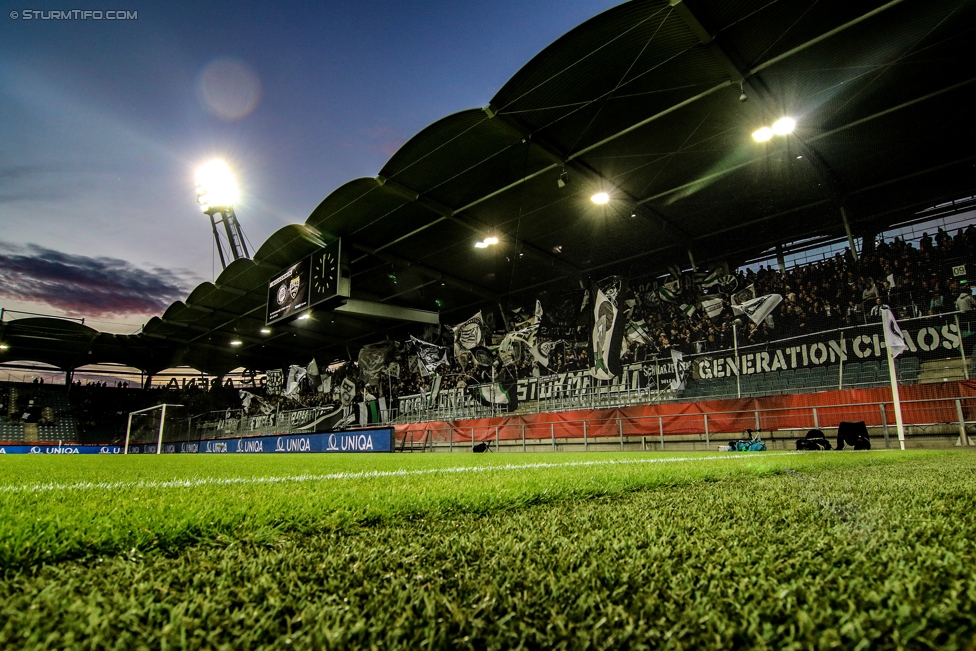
(120,503)
(856,555)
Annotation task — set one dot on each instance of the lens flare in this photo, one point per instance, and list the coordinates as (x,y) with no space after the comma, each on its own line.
(783,126)
(216,186)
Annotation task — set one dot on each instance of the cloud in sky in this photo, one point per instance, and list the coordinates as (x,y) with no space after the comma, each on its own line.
(84,286)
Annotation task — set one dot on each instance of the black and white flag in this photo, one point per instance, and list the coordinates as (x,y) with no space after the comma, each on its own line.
(542,351)
(482,356)
(680,370)
(606,338)
(759,308)
(373,362)
(558,316)
(295,376)
(713,307)
(275,381)
(471,333)
(429,356)
(893,337)
(744,295)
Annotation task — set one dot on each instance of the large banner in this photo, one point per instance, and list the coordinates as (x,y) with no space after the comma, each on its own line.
(934,337)
(926,338)
(654,377)
(371,440)
(46,448)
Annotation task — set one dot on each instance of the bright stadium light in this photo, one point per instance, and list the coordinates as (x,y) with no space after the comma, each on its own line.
(783,126)
(216,187)
(600,198)
(762,135)
(266,331)
(307,315)
(491,240)
(236,342)
(481,245)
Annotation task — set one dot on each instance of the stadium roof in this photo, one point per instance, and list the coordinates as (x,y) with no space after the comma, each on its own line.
(642,102)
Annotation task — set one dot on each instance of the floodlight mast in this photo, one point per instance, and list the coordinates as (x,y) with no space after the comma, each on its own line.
(216,194)
(235,238)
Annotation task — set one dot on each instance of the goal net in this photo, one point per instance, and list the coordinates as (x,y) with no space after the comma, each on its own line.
(156,430)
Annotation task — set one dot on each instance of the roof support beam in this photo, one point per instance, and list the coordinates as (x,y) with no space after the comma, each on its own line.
(580,167)
(474,226)
(429,272)
(738,72)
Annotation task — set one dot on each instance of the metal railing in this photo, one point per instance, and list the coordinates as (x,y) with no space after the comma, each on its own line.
(941,421)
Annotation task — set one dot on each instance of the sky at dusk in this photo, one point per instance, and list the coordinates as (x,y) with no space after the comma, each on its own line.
(103,123)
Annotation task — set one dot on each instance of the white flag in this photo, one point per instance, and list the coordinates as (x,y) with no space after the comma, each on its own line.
(758,309)
(894,339)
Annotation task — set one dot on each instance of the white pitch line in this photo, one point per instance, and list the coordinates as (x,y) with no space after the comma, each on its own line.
(365,474)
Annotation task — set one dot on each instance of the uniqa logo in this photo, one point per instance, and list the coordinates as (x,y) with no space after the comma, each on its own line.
(213,446)
(361,443)
(61,451)
(109,450)
(35,450)
(298,445)
(189,447)
(250,446)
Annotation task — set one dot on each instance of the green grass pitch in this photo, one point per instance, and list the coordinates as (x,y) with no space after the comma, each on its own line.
(855,550)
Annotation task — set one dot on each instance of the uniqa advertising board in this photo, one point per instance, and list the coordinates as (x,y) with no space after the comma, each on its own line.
(60,449)
(371,440)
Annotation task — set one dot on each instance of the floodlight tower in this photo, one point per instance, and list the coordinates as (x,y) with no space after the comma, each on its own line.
(217,194)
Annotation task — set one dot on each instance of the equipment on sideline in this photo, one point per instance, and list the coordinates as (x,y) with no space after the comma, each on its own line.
(814,440)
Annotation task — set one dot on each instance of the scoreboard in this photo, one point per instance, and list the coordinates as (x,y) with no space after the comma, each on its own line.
(310,281)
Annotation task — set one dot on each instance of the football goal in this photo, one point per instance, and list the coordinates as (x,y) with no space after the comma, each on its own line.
(150,429)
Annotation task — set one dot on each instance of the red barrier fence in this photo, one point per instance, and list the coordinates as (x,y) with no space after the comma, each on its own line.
(922,404)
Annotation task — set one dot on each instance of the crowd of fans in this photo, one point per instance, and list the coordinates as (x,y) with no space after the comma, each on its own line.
(914,279)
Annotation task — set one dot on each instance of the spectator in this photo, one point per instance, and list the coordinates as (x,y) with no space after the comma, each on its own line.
(966,302)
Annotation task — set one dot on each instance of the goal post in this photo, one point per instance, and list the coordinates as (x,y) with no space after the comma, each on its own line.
(151,425)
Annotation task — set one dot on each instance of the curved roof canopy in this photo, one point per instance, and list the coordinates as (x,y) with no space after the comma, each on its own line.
(641,102)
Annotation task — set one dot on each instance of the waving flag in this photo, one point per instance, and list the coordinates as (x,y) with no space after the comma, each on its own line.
(606,338)
(894,339)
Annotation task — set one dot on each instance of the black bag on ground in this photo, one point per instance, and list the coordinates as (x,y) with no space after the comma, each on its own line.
(854,434)
(814,440)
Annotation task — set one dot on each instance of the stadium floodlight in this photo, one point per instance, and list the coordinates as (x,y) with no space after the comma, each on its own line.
(783,126)
(217,193)
(236,342)
(491,240)
(480,245)
(266,331)
(216,187)
(307,315)
(600,198)
(4,346)
(762,135)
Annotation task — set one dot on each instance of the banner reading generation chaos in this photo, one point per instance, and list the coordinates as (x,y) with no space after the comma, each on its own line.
(288,292)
